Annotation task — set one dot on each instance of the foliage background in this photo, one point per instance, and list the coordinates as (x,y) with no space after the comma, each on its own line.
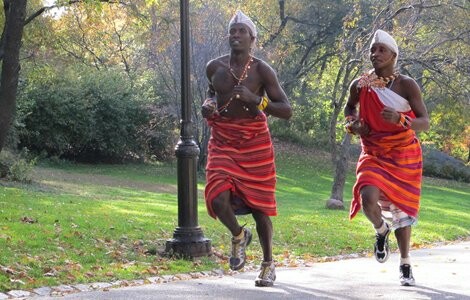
(317,47)
(100,82)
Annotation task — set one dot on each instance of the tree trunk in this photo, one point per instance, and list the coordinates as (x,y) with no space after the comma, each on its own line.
(15,13)
(336,198)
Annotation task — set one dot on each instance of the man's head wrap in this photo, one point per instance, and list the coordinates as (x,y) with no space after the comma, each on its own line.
(240,17)
(383,37)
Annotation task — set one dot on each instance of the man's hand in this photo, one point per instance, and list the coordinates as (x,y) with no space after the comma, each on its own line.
(242,93)
(208,108)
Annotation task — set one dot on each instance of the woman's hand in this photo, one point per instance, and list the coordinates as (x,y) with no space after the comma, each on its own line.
(358,127)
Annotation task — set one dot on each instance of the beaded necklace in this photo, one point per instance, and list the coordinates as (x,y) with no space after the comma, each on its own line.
(372,80)
(242,77)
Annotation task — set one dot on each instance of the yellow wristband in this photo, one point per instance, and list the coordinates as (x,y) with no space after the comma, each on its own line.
(263,103)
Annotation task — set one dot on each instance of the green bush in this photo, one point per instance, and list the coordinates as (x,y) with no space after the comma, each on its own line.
(84,115)
(308,126)
(6,160)
(160,136)
(16,167)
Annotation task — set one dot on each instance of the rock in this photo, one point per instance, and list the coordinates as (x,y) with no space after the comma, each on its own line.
(82,287)
(19,294)
(100,285)
(42,291)
(63,289)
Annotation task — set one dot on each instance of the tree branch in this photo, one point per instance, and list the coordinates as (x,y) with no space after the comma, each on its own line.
(283,24)
(70,2)
(457,37)
(412,6)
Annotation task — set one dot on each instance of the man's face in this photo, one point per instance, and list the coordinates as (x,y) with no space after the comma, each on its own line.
(240,37)
(381,55)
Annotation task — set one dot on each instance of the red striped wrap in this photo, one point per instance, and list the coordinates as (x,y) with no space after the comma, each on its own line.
(391,159)
(241,159)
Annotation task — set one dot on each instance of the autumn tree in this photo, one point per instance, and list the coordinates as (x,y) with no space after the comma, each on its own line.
(10,44)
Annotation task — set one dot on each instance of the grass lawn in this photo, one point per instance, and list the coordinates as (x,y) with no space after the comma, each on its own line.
(87,223)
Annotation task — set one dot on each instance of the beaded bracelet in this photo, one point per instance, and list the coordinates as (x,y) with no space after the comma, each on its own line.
(348,120)
(263,103)
(210,102)
(405,121)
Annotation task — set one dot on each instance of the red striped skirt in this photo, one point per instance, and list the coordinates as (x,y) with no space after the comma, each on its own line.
(241,159)
(393,163)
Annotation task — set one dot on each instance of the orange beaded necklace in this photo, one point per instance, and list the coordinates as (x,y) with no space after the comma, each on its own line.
(372,80)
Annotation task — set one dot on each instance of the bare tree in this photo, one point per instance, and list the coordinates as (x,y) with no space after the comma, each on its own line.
(407,16)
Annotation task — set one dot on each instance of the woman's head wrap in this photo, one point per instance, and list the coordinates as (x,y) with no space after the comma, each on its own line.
(383,37)
(240,17)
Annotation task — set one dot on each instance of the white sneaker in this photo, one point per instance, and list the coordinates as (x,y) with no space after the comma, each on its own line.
(406,275)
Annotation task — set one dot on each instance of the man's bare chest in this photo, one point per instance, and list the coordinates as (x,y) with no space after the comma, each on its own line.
(223,81)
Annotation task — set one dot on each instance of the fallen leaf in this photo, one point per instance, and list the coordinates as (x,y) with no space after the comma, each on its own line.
(89,274)
(50,274)
(7,270)
(71,277)
(17,281)
(28,220)
(153,270)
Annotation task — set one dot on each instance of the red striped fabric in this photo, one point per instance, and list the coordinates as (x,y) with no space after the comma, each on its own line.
(391,159)
(241,159)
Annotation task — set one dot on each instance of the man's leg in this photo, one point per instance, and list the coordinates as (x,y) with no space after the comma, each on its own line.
(241,237)
(370,205)
(224,212)
(403,236)
(264,227)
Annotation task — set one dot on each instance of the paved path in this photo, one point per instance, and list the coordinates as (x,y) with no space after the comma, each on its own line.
(441,273)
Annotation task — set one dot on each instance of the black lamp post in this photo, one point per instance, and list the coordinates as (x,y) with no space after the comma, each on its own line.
(188,238)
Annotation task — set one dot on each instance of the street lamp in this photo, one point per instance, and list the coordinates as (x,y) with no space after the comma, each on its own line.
(188,238)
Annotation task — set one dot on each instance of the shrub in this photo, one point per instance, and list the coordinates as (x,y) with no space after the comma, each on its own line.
(160,136)
(17,167)
(307,126)
(84,115)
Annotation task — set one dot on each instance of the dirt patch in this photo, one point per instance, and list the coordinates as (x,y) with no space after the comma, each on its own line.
(290,148)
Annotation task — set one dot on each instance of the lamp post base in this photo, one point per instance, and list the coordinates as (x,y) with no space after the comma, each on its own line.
(188,243)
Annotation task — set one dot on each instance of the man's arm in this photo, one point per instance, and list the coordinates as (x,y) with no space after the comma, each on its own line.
(209,106)
(410,90)
(279,105)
